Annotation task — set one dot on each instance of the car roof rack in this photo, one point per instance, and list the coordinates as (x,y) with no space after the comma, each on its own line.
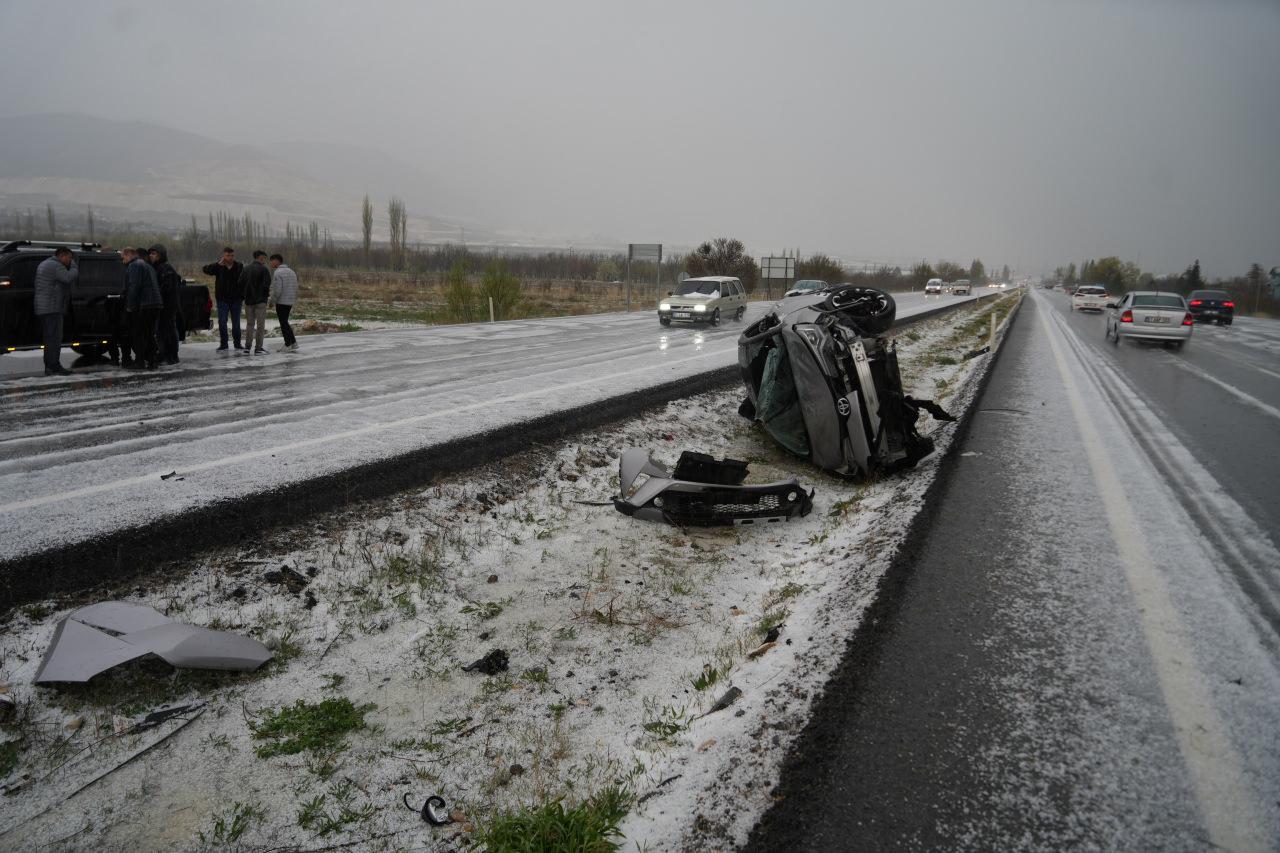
(77,245)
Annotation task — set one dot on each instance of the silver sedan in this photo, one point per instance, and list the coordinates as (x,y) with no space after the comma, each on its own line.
(1150,315)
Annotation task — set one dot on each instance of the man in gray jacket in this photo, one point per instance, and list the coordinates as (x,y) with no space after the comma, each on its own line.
(54,279)
(284,292)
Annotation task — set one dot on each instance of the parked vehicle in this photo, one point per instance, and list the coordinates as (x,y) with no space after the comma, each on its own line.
(97,302)
(1150,315)
(708,299)
(806,285)
(1211,306)
(961,286)
(1090,298)
(933,286)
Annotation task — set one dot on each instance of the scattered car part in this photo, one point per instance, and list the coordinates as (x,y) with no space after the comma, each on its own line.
(703,492)
(93,639)
(431,810)
(825,385)
(730,696)
(491,664)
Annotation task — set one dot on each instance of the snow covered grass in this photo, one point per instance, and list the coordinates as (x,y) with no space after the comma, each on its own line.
(655,675)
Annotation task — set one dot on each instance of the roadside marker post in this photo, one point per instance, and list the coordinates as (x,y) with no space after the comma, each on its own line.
(490,309)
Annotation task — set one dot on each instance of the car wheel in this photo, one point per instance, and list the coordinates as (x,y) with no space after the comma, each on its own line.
(741,312)
(715,317)
(666,321)
(92,352)
(1175,344)
(1115,338)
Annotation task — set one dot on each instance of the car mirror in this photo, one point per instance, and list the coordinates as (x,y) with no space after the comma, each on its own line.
(1112,305)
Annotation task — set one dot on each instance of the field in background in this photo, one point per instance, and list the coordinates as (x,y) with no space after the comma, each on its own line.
(379,295)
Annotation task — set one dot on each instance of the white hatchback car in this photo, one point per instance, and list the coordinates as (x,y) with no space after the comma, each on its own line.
(933,286)
(708,299)
(1152,316)
(1090,298)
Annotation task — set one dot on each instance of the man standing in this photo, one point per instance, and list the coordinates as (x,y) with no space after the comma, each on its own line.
(142,303)
(54,278)
(167,323)
(284,292)
(228,292)
(255,284)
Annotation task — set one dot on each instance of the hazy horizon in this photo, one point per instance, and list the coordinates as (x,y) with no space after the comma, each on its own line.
(1027,133)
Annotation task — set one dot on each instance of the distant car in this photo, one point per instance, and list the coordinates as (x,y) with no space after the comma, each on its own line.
(961,286)
(1090,298)
(1150,315)
(934,286)
(708,299)
(1211,306)
(806,285)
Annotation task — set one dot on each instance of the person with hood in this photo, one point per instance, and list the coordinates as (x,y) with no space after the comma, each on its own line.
(255,283)
(284,292)
(55,277)
(167,322)
(142,304)
(227,292)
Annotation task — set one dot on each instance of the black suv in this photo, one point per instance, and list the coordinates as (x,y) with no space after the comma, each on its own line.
(1211,306)
(97,303)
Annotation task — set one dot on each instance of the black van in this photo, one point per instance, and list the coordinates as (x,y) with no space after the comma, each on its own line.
(97,302)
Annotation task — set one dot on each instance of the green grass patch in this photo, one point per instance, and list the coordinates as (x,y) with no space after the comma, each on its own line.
(592,826)
(304,727)
(227,828)
(316,817)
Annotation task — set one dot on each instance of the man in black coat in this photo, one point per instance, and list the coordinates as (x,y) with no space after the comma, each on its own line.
(167,323)
(255,282)
(228,292)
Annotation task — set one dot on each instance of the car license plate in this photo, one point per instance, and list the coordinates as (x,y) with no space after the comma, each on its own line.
(1157,319)
(681,315)
(1211,313)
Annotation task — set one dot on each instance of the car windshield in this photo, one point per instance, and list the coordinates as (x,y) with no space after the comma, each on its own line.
(809,284)
(706,288)
(1091,291)
(1157,300)
(1220,295)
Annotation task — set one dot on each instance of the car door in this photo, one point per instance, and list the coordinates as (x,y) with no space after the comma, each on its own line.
(18,324)
(101,281)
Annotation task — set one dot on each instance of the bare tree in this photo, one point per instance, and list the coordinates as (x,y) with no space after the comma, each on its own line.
(396,213)
(366,222)
(89,219)
(53,226)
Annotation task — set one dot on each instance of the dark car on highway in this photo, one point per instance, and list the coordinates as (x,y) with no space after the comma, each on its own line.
(1211,306)
(97,302)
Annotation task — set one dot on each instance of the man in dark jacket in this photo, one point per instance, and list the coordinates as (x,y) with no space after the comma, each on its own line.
(167,323)
(54,279)
(255,281)
(227,292)
(142,303)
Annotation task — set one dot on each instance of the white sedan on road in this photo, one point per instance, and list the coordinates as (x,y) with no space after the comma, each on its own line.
(1150,315)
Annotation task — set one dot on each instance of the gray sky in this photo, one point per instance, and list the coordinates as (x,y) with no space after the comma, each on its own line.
(1038,132)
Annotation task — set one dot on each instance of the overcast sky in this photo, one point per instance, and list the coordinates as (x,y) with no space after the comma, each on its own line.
(1020,132)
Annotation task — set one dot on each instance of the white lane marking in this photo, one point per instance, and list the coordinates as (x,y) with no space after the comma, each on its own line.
(1237,358)
(1212,762)
(1247,399)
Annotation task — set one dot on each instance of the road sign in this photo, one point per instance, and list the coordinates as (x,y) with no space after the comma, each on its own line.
(778,268)
(644,252)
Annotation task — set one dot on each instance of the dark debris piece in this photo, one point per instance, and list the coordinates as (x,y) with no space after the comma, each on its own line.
(491,664)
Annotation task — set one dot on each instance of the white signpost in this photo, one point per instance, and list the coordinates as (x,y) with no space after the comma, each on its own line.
(780,269)
(644,252)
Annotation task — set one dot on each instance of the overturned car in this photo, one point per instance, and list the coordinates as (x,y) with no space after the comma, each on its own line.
(823,382)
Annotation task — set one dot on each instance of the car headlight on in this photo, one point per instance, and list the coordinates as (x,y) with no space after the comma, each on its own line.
(664,306)
(699,308)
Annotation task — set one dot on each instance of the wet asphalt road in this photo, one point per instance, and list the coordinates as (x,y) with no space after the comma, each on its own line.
(1062,658)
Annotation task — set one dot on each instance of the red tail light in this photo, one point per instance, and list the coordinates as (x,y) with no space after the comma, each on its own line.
(1228,305)
(1127,316)
(1186,320)
(1195,302)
